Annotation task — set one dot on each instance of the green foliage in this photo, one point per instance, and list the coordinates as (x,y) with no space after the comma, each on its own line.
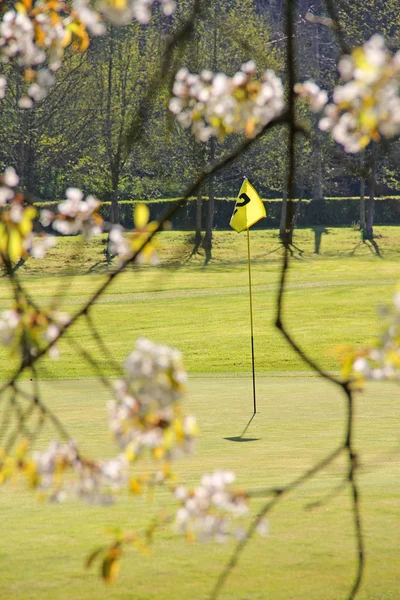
(334,211)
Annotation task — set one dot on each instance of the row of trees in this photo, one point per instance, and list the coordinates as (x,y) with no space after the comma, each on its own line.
(78,133)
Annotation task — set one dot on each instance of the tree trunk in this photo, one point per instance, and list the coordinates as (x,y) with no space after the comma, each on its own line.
(115,214)
(207,240)
(317,193)
(30,159)
(371,200)
(363,224)
(282,225)
(198,236)
(296,213)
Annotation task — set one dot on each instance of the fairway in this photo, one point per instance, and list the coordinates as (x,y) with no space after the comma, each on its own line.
(308,555)
(205,311)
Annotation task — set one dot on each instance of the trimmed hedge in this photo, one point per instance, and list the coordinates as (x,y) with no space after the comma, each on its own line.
(327,212)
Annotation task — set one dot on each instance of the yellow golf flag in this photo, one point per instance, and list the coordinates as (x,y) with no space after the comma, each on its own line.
(248,208)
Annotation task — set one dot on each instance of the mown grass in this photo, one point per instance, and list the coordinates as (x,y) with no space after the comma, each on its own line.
(331,299)
(308,555)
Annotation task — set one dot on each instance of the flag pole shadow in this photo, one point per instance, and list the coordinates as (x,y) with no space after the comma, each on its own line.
(241,438)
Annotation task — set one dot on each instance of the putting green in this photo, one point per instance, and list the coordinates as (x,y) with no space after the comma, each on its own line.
(308,555)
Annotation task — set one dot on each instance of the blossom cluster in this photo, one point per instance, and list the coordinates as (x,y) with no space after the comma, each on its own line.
(213,104)
(381,361)
(367,106)
(122,12)
(139,242)
(60,471)
(17,239)
(75,215)
(145,416)
(92,481)
(310,91)
(209,510)
(26,329)
(36,33)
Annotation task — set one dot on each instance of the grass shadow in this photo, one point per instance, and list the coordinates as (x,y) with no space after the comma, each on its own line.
(239,438)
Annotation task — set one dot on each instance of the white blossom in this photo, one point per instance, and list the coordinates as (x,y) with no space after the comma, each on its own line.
(3,86)
(10,177)
(367,106)
(92,481)
(6,194)
(9,322)
(216,105)
(76,215)
(157,372)
(89,17)
(134,9)
(382,360)
(25,102)
(41,245)
(310,91)
(8,180)
(209,509)
(119,245)
(143,417)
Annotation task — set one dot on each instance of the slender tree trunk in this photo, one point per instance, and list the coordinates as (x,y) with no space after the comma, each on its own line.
(371,199)
(317,192)
(115,213)
(30,159)
(113,160)
(282,225)
(198,236)
(363,224)
(296,213)
(207,240)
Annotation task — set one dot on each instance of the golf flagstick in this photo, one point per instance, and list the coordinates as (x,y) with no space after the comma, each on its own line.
(251,323)
(249,209)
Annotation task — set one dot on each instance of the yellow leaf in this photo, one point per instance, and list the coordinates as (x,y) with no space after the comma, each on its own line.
(20,7)
(141,215)
(14,245)
(135,486)
(85,42)
(250,126)
(130,455)
(190,537)
(110,569)
(118,4)
(3,239)
(158,452)
(67,38)
(22,448)
(25,225)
